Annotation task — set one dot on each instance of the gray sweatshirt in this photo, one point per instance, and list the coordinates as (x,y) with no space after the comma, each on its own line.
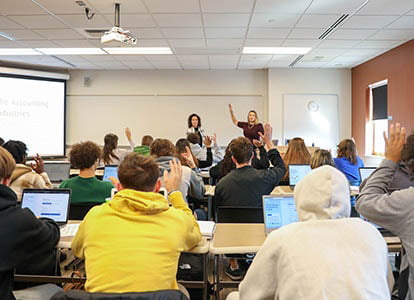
(394,212)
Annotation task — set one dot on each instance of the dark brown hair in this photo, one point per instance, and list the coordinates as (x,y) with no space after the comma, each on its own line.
(180,146)
(162,147)
(321,157)
(138,172)
(347,149)
(193,138)
(18,150)
(84,155)
(189,120)
(296,153)
(146,140)
(241,149)
(407,153)
(110,144)
(7,164)
(227,163)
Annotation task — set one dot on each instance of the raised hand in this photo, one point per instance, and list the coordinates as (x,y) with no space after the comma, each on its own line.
(172,179)
(189,158)
(128,133)
(267,136)
(39,165)
(207,141)
(257,143)
(394,143)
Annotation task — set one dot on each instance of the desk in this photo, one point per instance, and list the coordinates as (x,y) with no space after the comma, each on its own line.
(248,238)
(287,190)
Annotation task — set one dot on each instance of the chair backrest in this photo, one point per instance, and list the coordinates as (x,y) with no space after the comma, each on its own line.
(78,211)
(158,295)
(239,214)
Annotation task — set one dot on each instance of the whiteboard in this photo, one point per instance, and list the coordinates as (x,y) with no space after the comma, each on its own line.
(312,117)
(91,117)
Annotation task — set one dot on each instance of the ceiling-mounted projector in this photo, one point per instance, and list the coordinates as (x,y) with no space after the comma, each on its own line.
(117,35)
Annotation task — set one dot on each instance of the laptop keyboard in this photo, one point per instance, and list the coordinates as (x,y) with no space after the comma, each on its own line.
(69,230)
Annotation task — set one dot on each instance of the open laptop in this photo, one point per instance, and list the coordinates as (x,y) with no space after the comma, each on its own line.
(296,174)
(110,171)
(365,172)
(278,210)
(48,203)
(57,171)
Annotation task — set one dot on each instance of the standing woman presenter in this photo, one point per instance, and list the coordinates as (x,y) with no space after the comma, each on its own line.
(251,128)
(194,126)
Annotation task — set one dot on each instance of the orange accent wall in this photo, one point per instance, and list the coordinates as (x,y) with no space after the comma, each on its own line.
(396,65)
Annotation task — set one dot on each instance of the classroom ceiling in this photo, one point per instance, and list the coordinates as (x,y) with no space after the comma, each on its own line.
(209,34)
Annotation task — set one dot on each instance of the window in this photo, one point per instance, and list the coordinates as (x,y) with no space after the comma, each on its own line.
(377,119)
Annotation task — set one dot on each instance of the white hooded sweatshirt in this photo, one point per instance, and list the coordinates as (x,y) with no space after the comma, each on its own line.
(326,255)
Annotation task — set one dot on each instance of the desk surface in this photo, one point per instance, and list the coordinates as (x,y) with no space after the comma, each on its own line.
(201,248)
(248,238)
(286,190)
(74,172)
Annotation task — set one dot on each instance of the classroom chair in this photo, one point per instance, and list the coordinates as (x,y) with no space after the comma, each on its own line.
(78,211)
(239,214)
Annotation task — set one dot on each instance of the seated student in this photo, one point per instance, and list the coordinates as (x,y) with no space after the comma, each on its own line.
(24,176)
(133,242)
(28,243)
(192,185)
(296,153)
(86,188)
(209,148)
(326,255)
(112,155)
(245,186)
(259,161)
(348,162)
(393,211)
(183,147)
(144,149)
(320,158)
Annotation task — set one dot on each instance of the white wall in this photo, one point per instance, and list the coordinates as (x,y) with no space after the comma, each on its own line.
(120,90)
(310,81)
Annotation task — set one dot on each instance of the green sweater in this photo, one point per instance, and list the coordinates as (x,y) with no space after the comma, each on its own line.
(143,150)
(87,189)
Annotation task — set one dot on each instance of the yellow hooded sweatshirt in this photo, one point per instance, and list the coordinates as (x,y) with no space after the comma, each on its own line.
(132,243)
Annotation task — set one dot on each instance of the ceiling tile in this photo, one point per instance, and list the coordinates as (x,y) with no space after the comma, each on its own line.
(339,44)
(73,58)
(279,64)
(217,59)
(108,7)
(161,57)
(192,43)
(318,58)
(137,63)
(316,21)
(226,20)
(223,6)
(305,33)
(275,33)
(393,34)
(39,44)
(146,33)
(176,6)
(224,66)
(38,22)
(11,44)
(368,22)
(253,64)
(7,23)
(193,59)
(178,20)
(129,58)
(274,20)
(326,52)
(361,52)
(225,32)
(9,7)
(301,43)
(224,43)
(152,43)
(80,21)
(411,12)
(98,58)
(134,20)
(282,6)
(309,64)
(351,34)
(59,34)
(256,58)
(76,43)
(349,59)
(263,42)
(387,7)
(334,7)
(405,22)
(284,57)
(371,44)
(183,33)
(62,7)
(166,64)
(23,34)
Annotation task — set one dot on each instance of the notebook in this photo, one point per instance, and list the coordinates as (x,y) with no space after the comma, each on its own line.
(110,171)
(278,210)
(48,203)
(57,171)
(207,228)
(365,172)
(296,173)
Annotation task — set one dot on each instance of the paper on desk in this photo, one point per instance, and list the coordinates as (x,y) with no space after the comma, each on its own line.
(69,230)
(207,228)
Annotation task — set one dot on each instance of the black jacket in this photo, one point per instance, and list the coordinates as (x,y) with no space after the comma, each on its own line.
(27,243)
(246,186)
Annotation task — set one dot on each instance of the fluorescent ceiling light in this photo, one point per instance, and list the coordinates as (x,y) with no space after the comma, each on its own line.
(70,51)
(139,50)
(276,50)
(18,51)
(7,36)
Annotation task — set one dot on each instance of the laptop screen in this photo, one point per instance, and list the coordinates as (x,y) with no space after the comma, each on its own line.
(366,172)
(110,171)
(278,211)
(47,203)
(297,172)
(57,172)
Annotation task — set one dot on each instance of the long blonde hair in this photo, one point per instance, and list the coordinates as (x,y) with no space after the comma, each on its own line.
(256,119)
(296,153)
(321,157)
